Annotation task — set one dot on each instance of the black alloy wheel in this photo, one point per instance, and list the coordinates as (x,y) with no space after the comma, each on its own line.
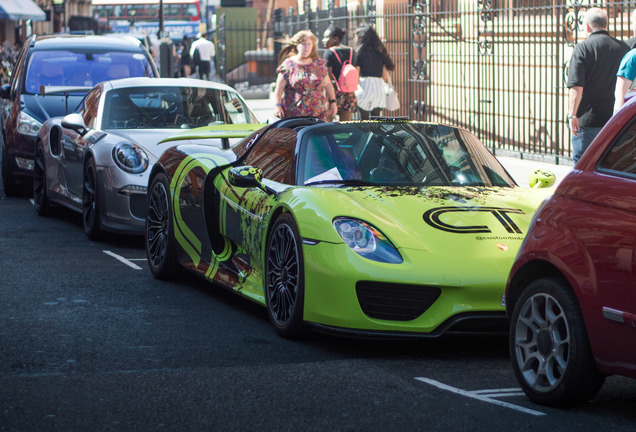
(90,202)
(284,278)
(159,235)
(40,198)
(10,186)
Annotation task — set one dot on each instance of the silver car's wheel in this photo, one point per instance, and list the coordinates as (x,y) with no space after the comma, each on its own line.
(90,202)
(550,352)
(40,198)
(284,278)
(160,244)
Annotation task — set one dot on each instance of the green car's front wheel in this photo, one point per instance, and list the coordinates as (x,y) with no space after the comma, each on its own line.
(285,278)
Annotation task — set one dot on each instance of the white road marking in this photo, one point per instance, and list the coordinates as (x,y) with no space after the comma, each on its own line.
(479,395)
(122,259)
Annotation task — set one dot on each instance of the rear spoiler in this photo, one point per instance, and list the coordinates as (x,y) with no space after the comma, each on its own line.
(63,90)
(46,90)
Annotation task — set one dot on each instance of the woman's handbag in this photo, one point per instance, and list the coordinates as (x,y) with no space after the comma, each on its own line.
(392,102)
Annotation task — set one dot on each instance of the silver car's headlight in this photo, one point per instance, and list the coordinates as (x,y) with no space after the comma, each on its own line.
(366,240)
(130,157)
(27,125)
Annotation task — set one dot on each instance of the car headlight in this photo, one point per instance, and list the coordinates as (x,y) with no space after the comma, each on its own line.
(366,240)
(27,125)
(130,157)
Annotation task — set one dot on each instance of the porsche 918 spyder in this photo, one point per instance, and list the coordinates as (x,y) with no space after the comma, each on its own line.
(97,160)
(374,229)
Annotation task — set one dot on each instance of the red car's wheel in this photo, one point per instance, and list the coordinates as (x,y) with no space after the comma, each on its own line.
(550,351)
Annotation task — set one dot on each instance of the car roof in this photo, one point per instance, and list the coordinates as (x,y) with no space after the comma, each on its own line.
(166,82)
(54,42)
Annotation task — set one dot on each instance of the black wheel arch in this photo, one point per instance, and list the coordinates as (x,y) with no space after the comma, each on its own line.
(525,275)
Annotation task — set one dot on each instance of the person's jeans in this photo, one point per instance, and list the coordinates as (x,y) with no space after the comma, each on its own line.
(582,142)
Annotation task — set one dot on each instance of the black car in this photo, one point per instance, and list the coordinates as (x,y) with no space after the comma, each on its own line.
(51,76)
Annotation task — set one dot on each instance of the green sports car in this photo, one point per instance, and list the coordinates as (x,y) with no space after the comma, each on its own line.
(375,228)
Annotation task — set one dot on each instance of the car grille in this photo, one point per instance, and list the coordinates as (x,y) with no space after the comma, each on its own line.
(395,302)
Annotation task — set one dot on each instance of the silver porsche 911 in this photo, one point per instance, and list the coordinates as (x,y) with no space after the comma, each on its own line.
(96,160)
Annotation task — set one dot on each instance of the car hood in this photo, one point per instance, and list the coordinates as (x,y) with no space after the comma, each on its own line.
(147,138)
(42,108)
(155,141)
(440,219)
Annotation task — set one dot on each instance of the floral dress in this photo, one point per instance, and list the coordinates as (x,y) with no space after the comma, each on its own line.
(304,94)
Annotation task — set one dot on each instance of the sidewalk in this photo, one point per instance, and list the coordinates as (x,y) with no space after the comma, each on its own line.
(518,168)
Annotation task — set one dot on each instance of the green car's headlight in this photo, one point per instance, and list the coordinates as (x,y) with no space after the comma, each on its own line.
(130,157)
(366,240)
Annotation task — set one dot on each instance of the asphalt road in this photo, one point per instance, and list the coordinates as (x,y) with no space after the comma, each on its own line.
(90,341)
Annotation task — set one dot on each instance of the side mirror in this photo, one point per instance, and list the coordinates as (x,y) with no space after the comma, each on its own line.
(75,122)
(540,178)
(5,91)
(248,177)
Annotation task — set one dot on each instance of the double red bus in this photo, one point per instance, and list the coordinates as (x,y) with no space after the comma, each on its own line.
(182,16)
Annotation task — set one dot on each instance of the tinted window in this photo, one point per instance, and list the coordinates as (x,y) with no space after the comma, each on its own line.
(82,69)
(621,156)
(173,107)
(274,154)
(409,154)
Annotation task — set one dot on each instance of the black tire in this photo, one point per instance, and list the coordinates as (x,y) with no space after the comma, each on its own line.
(285,278)
(159,232)
(10,186)
(40,198)
(90,202)
(549,347)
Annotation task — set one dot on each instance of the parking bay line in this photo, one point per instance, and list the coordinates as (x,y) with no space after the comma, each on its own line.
(479,395)
(122,259)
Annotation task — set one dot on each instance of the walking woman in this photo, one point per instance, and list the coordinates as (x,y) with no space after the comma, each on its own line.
(336,56)
(375,64)
(303,80)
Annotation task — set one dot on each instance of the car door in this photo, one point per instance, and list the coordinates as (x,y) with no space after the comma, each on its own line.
(611,241)
(245,211)
(75,145)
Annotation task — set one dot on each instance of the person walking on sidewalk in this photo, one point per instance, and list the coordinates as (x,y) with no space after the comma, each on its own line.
(375,64)
(202,50)
(336,55)
(303,80)
(592,81)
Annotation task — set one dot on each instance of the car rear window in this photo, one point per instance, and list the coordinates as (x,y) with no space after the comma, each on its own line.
(83,69)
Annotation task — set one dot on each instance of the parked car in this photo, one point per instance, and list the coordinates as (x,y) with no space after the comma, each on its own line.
(571,293)
(384,228)
(68,67)
(97,160)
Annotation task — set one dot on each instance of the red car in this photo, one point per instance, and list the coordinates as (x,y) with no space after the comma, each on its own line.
(571,293)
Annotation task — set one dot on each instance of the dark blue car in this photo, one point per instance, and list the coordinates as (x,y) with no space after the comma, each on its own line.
(51,76)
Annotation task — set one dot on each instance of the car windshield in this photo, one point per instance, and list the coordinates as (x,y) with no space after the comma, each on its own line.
(400,153)
(173,108)
(83,68)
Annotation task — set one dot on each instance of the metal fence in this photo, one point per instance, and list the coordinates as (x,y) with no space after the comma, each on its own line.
(497,68)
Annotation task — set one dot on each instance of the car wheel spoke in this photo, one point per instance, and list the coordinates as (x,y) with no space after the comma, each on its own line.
(542,342)
(282,274)
(157,224)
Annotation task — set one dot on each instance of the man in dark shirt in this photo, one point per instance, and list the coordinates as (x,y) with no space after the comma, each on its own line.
(591,80)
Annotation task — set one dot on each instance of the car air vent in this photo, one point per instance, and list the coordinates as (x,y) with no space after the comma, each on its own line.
(394,301)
